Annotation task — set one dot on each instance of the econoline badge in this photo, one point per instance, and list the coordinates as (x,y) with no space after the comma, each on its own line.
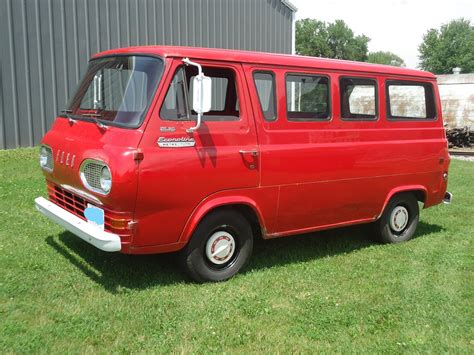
(179,142)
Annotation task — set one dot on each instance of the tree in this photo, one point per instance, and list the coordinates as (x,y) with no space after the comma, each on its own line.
(387,58)
(448,47)
(330,40)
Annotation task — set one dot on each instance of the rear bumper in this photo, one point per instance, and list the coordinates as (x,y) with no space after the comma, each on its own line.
(448,197)
(93,235)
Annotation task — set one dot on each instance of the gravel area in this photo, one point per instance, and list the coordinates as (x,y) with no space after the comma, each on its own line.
(463,157)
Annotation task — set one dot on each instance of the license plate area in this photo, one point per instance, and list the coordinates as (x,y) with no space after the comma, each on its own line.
(95,216)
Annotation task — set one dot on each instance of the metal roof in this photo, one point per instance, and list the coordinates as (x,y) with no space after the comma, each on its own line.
(289,5)
(268,58)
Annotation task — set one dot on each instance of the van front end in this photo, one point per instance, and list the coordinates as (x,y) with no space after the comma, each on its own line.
(91,191)
(90,155)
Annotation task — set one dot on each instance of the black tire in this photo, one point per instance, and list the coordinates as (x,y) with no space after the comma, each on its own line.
(388,230)
(194,257)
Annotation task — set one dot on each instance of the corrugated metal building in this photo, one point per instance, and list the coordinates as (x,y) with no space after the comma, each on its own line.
(45,45)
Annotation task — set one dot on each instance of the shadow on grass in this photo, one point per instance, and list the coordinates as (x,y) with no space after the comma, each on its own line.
(117,272)
(306,247)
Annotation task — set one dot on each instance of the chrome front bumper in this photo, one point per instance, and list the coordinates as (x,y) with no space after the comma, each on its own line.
(100,239)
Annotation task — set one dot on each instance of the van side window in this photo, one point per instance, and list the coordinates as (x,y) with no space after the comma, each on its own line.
(224,106)
(265,84)
(358,99)
(410,100)
(307,97)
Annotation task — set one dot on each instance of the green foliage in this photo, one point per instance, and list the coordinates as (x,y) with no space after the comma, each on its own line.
(315,100)
(310,94)
(387,58)
(448,47)
(330,40)
(327,292)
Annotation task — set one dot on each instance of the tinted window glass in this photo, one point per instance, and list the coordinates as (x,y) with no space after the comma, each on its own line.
(307,97)
(410,100)
(358,98)
(265,84)
(224,106)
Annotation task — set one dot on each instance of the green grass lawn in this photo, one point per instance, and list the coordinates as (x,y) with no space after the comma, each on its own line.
(331,291)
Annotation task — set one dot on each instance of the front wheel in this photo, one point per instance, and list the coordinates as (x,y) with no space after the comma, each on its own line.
(219,247)
(399,220)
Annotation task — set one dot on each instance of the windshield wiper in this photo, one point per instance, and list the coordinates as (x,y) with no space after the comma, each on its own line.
(96,117)
(69,117)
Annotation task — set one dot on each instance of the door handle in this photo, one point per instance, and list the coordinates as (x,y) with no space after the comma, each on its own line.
(253,153)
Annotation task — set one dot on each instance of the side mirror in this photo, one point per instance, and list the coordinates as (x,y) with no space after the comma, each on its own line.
(202,94)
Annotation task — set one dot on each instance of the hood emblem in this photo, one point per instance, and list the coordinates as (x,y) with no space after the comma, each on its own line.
(65,158)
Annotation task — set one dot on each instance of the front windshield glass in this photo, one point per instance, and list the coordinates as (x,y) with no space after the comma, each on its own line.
(116,90)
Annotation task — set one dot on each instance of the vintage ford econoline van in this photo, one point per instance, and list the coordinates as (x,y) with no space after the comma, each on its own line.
(200,151)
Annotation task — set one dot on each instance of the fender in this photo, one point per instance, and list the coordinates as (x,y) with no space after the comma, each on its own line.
(404,188)
(213,201)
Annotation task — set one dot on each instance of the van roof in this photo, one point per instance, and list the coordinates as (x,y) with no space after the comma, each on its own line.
(267,58)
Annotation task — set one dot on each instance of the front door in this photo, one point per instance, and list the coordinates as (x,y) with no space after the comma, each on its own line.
(180,169)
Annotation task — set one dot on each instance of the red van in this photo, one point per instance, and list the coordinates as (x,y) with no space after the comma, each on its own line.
(165,149)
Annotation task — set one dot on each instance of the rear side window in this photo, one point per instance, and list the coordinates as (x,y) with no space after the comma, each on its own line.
(307,97)
(265,84)
(410,100)
(224,105)
(358,99)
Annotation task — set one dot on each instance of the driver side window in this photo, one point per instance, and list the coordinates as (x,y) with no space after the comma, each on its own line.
(225,103)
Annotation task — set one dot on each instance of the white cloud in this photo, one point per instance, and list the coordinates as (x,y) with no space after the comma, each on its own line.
(394,25)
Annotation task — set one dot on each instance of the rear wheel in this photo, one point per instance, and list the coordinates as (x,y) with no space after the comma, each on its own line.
(399,220)
(219,247)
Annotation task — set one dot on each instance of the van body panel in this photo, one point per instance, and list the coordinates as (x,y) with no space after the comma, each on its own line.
(334,171)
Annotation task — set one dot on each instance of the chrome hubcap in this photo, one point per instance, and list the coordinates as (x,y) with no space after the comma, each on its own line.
(220,247)
(399,219)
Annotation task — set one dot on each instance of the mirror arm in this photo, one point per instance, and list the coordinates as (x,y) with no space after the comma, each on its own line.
(188,62)
(198,124)
(199,114)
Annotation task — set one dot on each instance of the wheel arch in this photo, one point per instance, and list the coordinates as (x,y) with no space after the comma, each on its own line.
(419,191)
(245,205)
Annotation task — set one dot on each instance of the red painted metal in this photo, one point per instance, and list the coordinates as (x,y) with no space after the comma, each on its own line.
(305,176)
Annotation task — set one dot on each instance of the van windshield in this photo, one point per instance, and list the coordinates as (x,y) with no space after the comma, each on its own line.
(116,90)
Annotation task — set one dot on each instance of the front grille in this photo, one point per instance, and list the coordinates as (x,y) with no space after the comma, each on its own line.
(115,222)
(91,172)
(67,200)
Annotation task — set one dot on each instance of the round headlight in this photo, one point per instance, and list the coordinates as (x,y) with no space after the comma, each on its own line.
(105,179)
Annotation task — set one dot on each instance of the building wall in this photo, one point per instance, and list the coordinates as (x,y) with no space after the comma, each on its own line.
(45,45)
(457,99)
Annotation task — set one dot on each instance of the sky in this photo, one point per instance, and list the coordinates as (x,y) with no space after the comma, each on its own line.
(397,26)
